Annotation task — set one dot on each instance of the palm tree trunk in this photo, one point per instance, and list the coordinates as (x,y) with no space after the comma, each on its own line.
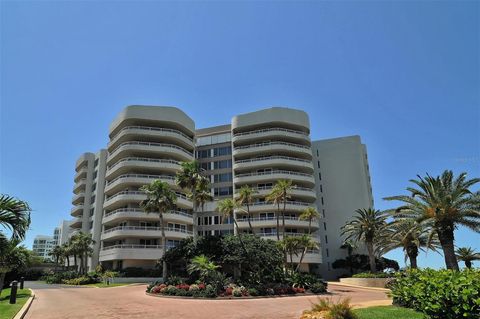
(75,261)
(309,226)
(468,264)
(248,216)
(412,253)
(447,238)
(371,257)
(283,216)
(195,215)
(68,262)
(2,281)
(301,258)
(164,248)
(278,221)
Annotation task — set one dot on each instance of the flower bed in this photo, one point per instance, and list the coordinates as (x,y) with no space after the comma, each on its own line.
(230,291)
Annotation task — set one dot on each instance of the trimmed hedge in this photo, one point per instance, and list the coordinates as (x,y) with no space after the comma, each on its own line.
(440,294)
(373,275)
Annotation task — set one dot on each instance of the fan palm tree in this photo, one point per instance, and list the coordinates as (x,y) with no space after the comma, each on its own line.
(367,226)
(309,214)
(160,199)
(442,204)
(408,235)
(203,266)
(14,216)
(467,255)
(245,198)
(190,179)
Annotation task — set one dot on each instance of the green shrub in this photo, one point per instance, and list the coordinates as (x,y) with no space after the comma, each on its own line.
(318,288)
(373,275)
(174,280)
(440,294)
(325,308)
(171,290)
(58,277)
(83,280)
(253,292)
(209,292)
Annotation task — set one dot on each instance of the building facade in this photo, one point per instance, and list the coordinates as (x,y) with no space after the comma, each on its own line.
(255,149)
(42,245)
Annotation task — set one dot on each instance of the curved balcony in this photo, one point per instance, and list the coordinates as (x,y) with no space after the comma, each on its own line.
(77,210)
(82,161)
(77,223)
(280,162)
(277,147)
(272,222)
(272,133)
(301,193)
(287,234)
(128,164)
(78,198)
(81,173)
(123,214)
(138,132)
(146,148)
(80,185)
(143,232)
(274,175)
(125,251)
(295,206)
(128,180)
(125,197)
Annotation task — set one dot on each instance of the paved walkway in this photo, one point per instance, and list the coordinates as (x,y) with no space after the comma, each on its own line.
(131,302)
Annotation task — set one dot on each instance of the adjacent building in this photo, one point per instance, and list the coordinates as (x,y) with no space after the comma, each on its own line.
(255,149)
(42,245)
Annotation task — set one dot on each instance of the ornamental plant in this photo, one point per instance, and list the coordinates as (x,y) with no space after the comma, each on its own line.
(440,294)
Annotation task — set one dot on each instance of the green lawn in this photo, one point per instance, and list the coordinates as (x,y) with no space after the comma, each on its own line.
(388,312)
(103,285)
(8,311)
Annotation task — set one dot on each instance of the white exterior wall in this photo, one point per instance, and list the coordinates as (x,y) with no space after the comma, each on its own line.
(342,179)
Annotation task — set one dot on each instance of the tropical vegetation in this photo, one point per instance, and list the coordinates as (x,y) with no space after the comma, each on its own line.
(467,255)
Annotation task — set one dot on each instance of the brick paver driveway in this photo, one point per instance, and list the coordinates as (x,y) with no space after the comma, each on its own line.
(131,302)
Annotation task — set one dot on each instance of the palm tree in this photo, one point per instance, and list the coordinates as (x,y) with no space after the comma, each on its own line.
(350,246)
(279,194)
(309,214)
(190,179)
(307,243)
(367,226)
(56,253)
(82,244)
(291,246)
(203,266)
(275,197)
(408,235)
(467,255)
(245,197)
(160,199)
(203,194)
(66,253)
(227,208)
(442,204)
(15,216)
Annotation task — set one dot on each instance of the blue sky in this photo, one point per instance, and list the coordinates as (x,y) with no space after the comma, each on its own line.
(402,75)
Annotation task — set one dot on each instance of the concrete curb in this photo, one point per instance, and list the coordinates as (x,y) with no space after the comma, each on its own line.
(336,283)
(23,311)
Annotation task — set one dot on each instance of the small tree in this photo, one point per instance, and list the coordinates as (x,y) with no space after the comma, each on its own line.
(309,214)
(467,255)
(202,266)
(245,198)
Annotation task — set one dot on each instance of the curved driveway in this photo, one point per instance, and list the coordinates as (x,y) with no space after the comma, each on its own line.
(131,302)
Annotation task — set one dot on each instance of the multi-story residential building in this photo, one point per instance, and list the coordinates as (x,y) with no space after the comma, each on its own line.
(62,233)
(255,149)
(42,245)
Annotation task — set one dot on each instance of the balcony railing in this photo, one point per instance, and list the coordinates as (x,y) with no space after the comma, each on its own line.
(281,234)
(266,158)
(144,159)
(139,193)
(256,219)
(288,202)
(136,210)
(151,144)
(155,129)
(271,130)
(273,172)
(127,246)
(167,177)
(272,143)
(149,228)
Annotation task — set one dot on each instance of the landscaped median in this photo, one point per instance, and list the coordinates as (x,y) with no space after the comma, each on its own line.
(8,311)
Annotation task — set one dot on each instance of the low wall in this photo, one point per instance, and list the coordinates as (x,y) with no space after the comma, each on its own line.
(365,282)
(124,280)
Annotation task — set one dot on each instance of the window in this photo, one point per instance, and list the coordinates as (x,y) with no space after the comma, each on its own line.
(221,151)
(92,210)
(320,176)
(95,174)
(205,166)
(216,220)
(91,225)
(317,153)
(326,239)
(223,191)
(321,189)
(203,154)
(318,164)
(323,213)
(222,164)
(226,177)
(92,199)
(328,255)
(328,266)
(325,226)
(95,163)
(322,201)
(94,187)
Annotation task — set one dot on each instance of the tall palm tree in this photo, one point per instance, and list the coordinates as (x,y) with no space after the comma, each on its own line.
(203,194)
(309,214)
(82,243)
(245,198)
(291,246)
(307,243)
(467,255)
(408,235)
(160,199)
(442,204)
(66,253)
(275,197)
(366,226)
(227,208)
(189,178)
(15,216)
(56,253)
(280,194)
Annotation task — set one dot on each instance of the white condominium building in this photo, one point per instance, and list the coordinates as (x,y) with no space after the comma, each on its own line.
(255,149)
(42,245)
